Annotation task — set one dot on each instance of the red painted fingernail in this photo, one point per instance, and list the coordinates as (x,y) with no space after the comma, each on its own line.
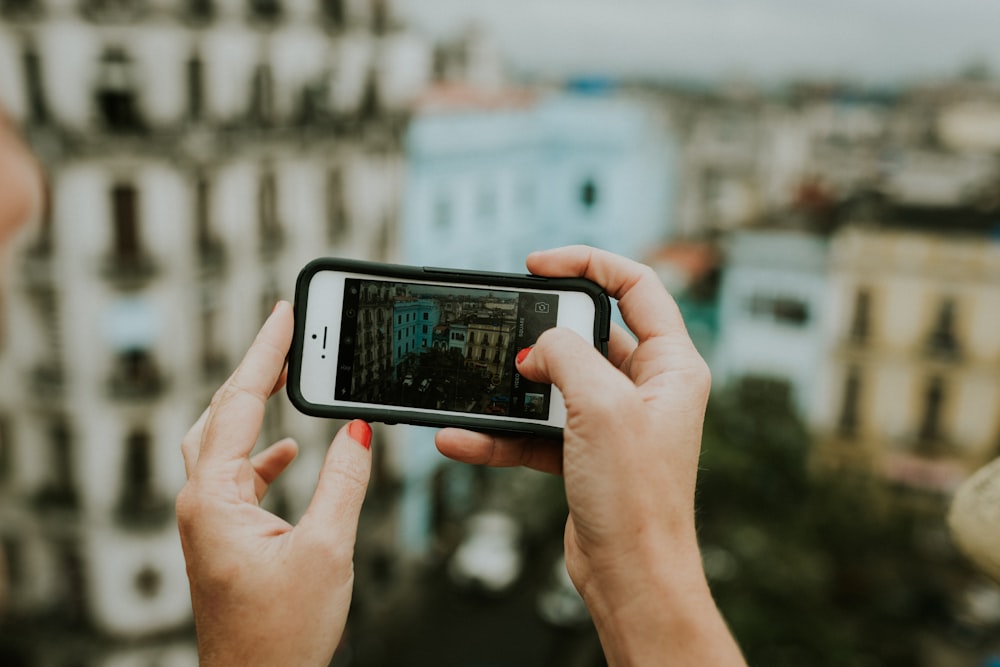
(360,432)
(523,354)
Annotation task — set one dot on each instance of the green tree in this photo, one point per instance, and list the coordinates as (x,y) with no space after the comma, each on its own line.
(813,569)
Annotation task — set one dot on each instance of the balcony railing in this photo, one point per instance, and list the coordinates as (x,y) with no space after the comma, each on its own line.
(212,257)
(47,380)
(943,346)
(136,379)
(20,9)
(143,509)
(129,272)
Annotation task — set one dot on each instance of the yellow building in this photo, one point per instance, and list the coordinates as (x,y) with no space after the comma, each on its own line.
(488,346)
(913,380)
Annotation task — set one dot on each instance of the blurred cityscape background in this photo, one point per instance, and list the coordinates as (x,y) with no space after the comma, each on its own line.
(818,187)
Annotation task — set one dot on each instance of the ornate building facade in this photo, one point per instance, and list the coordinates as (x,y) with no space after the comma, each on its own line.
(198,153)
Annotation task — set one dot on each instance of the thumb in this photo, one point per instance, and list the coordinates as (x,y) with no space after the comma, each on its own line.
(563,358)
(343,481)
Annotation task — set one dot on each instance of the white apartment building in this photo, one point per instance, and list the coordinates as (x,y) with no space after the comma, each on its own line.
(773,316)
(198,154)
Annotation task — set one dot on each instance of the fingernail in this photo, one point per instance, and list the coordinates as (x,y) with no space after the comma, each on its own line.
(523,354)
(360,432)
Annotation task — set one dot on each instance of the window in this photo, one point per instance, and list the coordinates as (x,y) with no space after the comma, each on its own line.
(336,209)
(201,211)
(933,402)
(588,194)
(380,17)
(137,469)
(116,92)
(942,340)
(425,328)
(148,582)
(791,311)
(262,94)
(195,86)
(18,8)
(370,99)
(782,310)
(135,374)
(267,10)
(38,110)
(60,489)
(849,418)
(125,221)
(333,10)
(427,316)
(267,209)
(200,10)
(861,321)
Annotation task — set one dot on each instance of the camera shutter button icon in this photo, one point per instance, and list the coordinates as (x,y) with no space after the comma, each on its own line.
(541,307)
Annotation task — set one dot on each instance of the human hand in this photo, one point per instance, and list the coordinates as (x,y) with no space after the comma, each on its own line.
(629,457)
(265,592)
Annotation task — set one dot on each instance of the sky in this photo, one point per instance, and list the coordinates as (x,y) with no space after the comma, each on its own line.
(868,41)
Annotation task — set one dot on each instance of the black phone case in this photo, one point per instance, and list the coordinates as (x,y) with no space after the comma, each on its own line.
(602,327)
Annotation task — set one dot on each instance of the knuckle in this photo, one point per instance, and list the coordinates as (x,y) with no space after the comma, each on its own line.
(330,547)
(699,376)
(186,505)
(353,472)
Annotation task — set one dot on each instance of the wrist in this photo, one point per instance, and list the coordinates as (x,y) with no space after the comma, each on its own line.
(657,603)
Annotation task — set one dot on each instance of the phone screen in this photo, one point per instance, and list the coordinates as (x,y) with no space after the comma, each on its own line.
(438,347)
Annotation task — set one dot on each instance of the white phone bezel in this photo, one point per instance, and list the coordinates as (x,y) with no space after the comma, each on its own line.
(576,312)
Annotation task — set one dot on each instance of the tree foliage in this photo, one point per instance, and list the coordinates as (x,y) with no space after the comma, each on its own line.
(813,569)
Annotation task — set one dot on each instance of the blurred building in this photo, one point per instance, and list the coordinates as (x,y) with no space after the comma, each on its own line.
(198,153)
(495,172)
(745,156)
(773,312)
(915,306)
(874,315)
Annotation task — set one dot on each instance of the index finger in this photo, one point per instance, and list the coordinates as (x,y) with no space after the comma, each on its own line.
(236,413)
(645,304)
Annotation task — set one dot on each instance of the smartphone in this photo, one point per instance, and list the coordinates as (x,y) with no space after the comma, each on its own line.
(432,346)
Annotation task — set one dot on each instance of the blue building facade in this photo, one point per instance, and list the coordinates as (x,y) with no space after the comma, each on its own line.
(413,325)
(490,180)
(495,176)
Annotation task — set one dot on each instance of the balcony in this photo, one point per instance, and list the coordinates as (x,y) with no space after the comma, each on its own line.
(135,378)
(36,266)
(141,508)
(129,271)
(111,10)
(272,240)
(15,10)
(57,497)
(265,10)
(212,257)
(47,380)
(200,11)
(943,346)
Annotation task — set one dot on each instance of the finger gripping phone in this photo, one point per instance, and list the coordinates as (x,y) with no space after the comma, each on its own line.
(432,346)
